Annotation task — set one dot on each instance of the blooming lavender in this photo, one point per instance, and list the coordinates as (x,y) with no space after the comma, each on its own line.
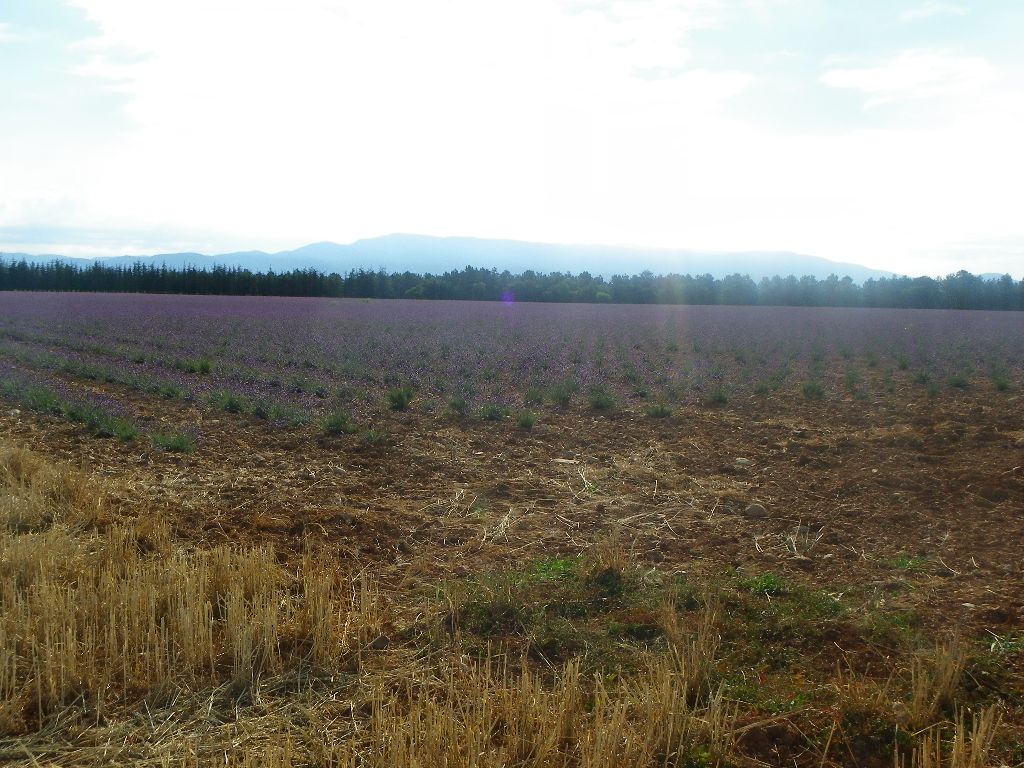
(283,357)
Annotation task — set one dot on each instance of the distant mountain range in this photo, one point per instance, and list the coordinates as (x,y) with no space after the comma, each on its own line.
(422,254)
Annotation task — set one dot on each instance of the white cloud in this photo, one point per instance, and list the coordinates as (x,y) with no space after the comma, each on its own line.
(339,119)
(8,34)
(932,8)
(915,75)
(273,123)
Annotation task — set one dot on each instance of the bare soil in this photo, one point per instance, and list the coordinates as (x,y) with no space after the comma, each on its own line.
(939,483)
(900,503)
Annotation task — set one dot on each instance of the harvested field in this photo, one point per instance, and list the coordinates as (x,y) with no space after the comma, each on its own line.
(319,532)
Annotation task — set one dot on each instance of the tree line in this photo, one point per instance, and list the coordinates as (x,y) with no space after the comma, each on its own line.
(961,290)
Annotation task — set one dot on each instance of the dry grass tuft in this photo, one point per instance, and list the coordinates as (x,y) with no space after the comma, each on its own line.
(35,494)
(485,714)
(969,746)
(934,682)
(693,654)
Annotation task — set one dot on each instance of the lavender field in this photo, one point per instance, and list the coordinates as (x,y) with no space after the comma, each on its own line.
(289,359)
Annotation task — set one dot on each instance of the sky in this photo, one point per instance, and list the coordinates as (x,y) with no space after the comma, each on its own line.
(881,132)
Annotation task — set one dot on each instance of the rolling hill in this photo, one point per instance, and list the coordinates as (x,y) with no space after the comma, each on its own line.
(422,254)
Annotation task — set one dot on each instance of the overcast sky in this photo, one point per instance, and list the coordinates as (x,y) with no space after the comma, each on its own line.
(882,132)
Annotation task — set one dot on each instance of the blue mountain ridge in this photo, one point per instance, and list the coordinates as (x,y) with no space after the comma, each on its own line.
(423,253)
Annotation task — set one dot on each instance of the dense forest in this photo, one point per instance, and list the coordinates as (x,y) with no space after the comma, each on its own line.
(956,291)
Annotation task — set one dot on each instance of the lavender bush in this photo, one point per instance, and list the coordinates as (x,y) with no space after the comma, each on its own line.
(283,359)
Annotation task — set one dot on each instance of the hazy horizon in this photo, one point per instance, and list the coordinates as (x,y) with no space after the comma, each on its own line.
(720,263)
(884,135)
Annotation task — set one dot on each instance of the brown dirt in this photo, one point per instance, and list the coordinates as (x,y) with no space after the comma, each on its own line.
(938,483)
(901,503)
